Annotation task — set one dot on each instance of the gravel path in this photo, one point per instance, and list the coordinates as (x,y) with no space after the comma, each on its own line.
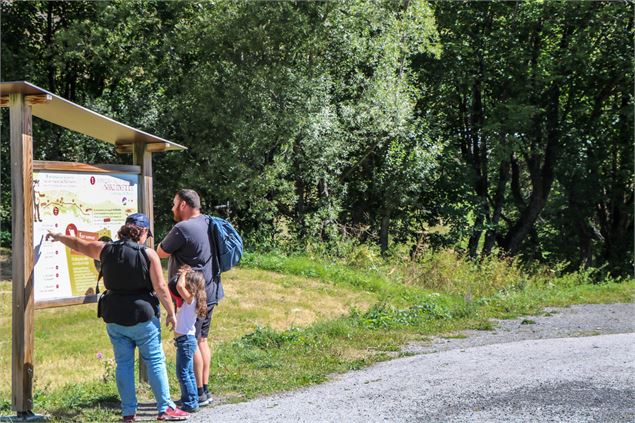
(575,321)
(571,365)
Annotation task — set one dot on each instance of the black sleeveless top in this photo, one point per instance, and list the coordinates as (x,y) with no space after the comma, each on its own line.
(129,298)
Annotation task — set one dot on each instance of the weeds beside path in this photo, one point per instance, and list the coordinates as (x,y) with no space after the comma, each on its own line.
(578,320)
(268,361)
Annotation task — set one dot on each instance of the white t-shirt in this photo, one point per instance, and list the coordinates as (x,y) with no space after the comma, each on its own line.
(186,318)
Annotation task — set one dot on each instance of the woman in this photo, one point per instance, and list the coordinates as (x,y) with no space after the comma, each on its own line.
(130,307)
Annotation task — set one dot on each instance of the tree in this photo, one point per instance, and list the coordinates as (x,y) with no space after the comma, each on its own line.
(507,94)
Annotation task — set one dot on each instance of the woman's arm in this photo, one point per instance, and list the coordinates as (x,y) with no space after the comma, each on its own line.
(180,286)
(91,249)
(160,287)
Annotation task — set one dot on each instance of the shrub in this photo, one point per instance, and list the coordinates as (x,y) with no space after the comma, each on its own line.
(449,272)
(5,239)
(267,338)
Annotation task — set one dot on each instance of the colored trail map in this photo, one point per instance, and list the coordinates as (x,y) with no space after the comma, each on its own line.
(92,206)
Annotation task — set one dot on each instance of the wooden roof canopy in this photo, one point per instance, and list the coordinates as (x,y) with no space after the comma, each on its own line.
(67,114)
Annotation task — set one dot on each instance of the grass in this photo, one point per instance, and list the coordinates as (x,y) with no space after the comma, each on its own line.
(288,322)
(69,340)
(335,274)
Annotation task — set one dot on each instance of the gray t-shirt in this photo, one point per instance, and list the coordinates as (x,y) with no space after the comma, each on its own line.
(188,243)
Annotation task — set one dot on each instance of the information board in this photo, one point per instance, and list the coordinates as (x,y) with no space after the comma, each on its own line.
(89,205)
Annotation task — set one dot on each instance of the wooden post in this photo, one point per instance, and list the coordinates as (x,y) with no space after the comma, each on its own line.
(22,250)
(143,158)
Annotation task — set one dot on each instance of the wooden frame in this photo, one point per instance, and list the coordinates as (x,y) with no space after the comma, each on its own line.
(83,167)
(22,250)
(142,157)
(88,168)
(29,99)
(69,301)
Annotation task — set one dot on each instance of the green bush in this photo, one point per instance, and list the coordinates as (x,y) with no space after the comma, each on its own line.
(266,338)
(387,316)
(5,239)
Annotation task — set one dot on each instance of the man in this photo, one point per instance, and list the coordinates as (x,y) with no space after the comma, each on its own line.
(188,243)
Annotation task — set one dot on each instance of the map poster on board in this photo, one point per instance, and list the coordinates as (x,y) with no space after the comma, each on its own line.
(91,206)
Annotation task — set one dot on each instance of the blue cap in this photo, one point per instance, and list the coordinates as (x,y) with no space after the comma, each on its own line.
(140,220)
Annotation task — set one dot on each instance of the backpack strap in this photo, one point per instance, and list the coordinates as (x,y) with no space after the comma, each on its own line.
(142,249)
(101,275)
(144,253)
(213,247)
(216,254)
(101,272)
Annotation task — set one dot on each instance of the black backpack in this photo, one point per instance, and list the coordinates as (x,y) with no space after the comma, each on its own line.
(115,253)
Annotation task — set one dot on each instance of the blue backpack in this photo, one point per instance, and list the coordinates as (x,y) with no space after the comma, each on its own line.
(226,241)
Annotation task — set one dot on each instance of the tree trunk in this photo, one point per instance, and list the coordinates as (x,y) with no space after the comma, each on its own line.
(615,211)
(383,233)
(479,156)
(300,188)
(323,195)
(499,199)
(472,245)
(541,177)
(299,207)
(541,181)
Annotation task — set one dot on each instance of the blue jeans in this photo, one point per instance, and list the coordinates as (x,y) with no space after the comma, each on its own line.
(146,336)
(185,349)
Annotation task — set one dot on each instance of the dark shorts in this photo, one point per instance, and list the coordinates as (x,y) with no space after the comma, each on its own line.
(203,323)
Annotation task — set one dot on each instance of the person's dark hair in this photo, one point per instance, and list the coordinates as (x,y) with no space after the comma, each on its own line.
(131,232)
(190,197)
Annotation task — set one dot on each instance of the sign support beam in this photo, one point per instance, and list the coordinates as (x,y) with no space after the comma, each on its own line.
(22,250)
(142,157)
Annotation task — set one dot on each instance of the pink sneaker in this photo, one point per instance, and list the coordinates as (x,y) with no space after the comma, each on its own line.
(173,414)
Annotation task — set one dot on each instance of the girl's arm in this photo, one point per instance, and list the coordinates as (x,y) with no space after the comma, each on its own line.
(180,286)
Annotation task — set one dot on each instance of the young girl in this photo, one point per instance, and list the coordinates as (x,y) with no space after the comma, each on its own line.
(191,288)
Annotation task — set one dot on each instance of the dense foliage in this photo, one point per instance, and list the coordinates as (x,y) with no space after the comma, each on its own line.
(491,127)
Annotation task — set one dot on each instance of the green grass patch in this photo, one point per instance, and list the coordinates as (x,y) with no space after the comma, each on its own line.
(373,281)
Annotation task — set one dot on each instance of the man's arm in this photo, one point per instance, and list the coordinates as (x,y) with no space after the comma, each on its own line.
(160,287)
(162,253)
(91,249)
(171,243)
